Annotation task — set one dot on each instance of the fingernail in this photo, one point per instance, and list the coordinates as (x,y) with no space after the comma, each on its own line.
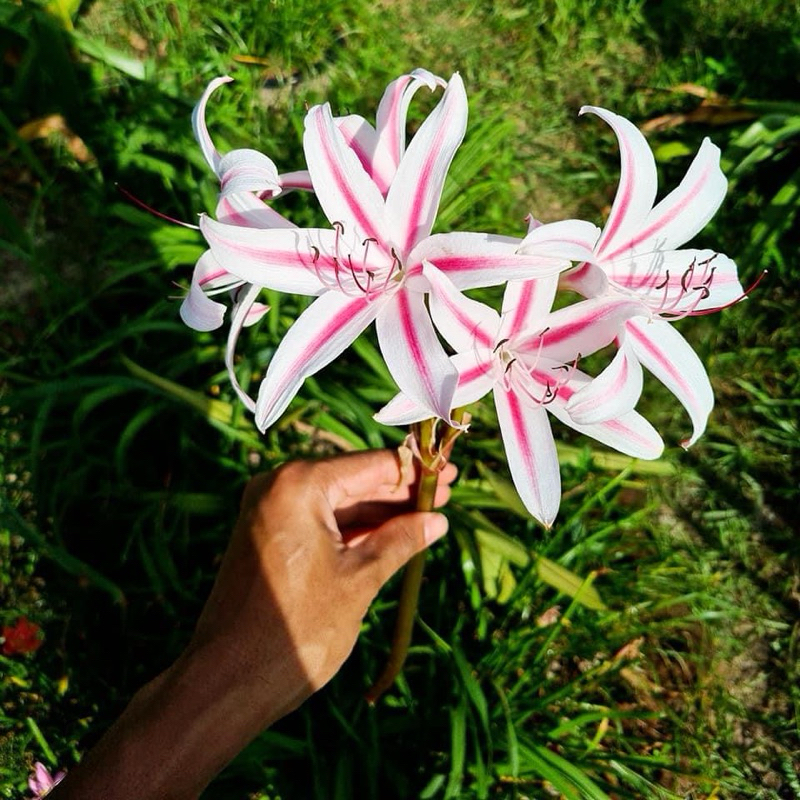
(435,527)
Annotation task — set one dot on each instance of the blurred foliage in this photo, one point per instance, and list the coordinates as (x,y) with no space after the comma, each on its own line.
(625,653)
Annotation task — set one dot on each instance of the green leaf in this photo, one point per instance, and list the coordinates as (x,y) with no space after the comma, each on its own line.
(111,57)
(504,490)
(568,583)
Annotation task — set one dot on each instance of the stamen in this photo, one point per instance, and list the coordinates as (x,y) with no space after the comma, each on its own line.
(688,275)
(741,297)
(136,201)
(664,283)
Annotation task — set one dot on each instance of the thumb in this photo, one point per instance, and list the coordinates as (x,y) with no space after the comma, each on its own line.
(389,547)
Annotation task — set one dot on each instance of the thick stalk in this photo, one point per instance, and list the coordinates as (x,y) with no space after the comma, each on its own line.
(409,597)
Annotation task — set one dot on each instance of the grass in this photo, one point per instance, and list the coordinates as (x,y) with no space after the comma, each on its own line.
(123,450)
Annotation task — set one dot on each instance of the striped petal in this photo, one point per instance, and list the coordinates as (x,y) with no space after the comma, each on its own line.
(239,315)
(567,240)
(678,281)
(531,454)
(685,211)
(329,325)
(345,191)
(201,133)
(526,304)
(371,151)
(301,261)
(390,121)
(199,311)
(613,393)
(413,199)
(464,323)
(247,211)
(582,328)
(663,351)
(473,260)
(248,170)
(301,179)
(631,433)
(588,280)
(475,380)
(413,354)
(638,183)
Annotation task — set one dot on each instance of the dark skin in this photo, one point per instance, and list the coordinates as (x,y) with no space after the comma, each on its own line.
(314,543)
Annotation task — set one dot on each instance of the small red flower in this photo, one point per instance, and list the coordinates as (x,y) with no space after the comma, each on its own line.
(23,636)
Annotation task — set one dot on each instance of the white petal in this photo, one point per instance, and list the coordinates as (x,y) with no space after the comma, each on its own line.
(239,315)
(344,189)
(531,454)
(475,380)
(586,279)
(685,211)
(629,433)
(413,198)
(300,179)
(464,323)
(526,304)
(473,260)
(414,356)
(201,133)
(329,325)
(390,122)
(402,410)
(678,282)
(614,392)
(247,211)
(476,375)
(286,259)
(638,183)
(199,311)
(582,328)
(364,141)
(247,170)
(569,239)
(662,350)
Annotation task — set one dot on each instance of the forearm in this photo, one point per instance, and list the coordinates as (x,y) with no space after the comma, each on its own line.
(178,732)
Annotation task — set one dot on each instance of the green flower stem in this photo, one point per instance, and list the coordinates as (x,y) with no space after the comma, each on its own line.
(412,577)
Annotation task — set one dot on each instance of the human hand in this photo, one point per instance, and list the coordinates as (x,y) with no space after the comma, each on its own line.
(314,543)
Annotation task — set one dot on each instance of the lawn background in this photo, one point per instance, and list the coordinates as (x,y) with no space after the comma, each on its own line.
(124,453)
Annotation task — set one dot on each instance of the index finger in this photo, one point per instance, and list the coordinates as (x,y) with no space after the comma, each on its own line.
(371,475)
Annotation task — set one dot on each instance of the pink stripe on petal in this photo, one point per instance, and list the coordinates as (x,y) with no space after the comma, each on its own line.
(345,191)
(531,455)
(413,354)
(662,350)
(413,198)
(463,322)
(671,214)
(329,325)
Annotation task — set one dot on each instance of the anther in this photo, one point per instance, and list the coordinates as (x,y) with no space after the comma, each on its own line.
(664,283)
(499,345)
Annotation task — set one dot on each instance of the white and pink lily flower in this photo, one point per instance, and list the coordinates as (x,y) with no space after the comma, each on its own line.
(638,255)
(42,782)
(381,200)
(527,356)
(247,178)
